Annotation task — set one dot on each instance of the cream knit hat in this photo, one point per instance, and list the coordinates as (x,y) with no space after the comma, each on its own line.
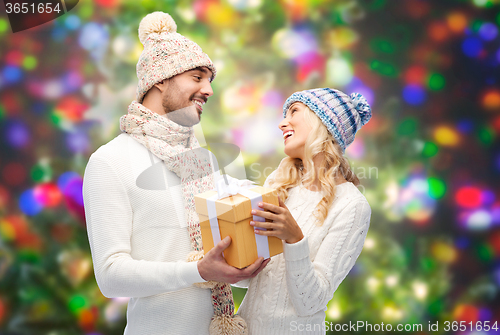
(166,52)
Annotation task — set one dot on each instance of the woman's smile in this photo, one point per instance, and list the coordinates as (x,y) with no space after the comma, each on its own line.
(295,130)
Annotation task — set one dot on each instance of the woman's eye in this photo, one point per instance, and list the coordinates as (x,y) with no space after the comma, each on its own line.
(198,77)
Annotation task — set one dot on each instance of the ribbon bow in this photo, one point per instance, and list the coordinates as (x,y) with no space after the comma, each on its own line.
(227,185)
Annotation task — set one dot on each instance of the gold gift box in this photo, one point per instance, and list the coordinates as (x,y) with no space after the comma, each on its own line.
(234,216)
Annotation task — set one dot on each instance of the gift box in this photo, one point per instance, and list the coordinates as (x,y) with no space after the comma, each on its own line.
(231,216)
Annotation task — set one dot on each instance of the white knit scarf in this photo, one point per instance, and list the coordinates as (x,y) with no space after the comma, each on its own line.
(175,144)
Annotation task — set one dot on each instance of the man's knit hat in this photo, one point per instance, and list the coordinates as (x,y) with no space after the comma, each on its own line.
(166,52)
(342,115)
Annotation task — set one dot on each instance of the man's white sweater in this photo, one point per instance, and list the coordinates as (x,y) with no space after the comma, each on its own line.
(291,294)
(139,240)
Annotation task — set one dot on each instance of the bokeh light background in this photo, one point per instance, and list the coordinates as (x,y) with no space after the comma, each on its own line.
(428,160)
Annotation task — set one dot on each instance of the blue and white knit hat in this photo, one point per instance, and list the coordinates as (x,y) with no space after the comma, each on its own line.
(343,115)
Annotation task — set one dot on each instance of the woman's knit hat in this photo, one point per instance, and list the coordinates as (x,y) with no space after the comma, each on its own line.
(343,115)
(166,52)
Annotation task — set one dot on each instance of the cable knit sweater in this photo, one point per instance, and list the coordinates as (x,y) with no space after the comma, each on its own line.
(139,240)
(290,295)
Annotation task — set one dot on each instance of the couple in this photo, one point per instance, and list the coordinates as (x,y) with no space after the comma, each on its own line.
(146,242)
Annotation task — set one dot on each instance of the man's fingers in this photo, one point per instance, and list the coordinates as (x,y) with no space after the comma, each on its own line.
(261,267)
(222,245)
(249,270)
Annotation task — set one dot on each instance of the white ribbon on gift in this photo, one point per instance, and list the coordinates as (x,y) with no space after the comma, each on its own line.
(236,186)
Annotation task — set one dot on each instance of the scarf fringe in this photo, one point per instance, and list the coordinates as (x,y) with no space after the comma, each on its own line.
(227,325)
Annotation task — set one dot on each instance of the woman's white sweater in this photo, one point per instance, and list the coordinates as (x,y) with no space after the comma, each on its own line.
(290,295)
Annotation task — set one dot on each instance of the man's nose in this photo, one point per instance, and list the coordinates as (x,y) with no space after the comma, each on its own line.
(206,90)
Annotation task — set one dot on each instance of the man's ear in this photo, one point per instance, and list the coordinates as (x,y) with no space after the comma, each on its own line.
(162,85)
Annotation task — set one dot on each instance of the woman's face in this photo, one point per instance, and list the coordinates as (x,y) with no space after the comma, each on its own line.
(294,123)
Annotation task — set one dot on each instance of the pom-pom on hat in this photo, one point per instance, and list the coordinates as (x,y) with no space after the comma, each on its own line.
(343,115)
(166,53)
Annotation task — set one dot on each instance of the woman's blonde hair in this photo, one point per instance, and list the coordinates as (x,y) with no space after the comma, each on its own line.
(291,173)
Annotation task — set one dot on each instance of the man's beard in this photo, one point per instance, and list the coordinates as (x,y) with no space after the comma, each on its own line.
(186,116)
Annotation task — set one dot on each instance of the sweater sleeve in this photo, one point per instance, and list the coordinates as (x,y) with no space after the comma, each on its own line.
(311,285)
(109,226)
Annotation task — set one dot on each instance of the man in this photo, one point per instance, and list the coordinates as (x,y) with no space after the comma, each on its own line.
(141,237)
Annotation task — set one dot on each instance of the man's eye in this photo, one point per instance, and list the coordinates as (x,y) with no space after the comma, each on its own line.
(198,77)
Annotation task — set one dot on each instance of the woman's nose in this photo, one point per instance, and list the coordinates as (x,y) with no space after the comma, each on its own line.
(282,124)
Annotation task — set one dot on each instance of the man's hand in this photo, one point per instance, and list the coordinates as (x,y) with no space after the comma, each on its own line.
(214,267)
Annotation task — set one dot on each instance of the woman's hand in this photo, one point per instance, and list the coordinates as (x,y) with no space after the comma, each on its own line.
(283,226)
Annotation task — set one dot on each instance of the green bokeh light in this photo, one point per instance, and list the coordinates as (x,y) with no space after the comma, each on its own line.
(486,135)
(485,252)
(55,119)
(483,3)
(41,173)
(77,303)
(28,255)
(436,307)
(382,45)
(437,188)
(430,149)
(436,82)
(428,264)
(384,69)
(374,4)
(476,25)
(30,62)
(86,10)
(3,25)
(29,294)
(407,127)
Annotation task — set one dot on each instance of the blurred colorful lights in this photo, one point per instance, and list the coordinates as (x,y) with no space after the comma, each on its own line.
(12,74)
(491,100)
(414,94)
(472,47)
(488,31)
(457,22)
(444,252)
(29,204)
(446,136)
(417,199)
(18,134)
(468,197)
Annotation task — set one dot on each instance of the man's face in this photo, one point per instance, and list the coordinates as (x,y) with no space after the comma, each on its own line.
(185,95)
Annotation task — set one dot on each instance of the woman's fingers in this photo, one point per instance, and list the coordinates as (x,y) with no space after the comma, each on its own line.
(266,232)
(264,214)
(270,207)
(258,224)
(282,204)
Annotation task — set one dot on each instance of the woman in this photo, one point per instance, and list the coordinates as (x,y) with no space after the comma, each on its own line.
(322,219)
